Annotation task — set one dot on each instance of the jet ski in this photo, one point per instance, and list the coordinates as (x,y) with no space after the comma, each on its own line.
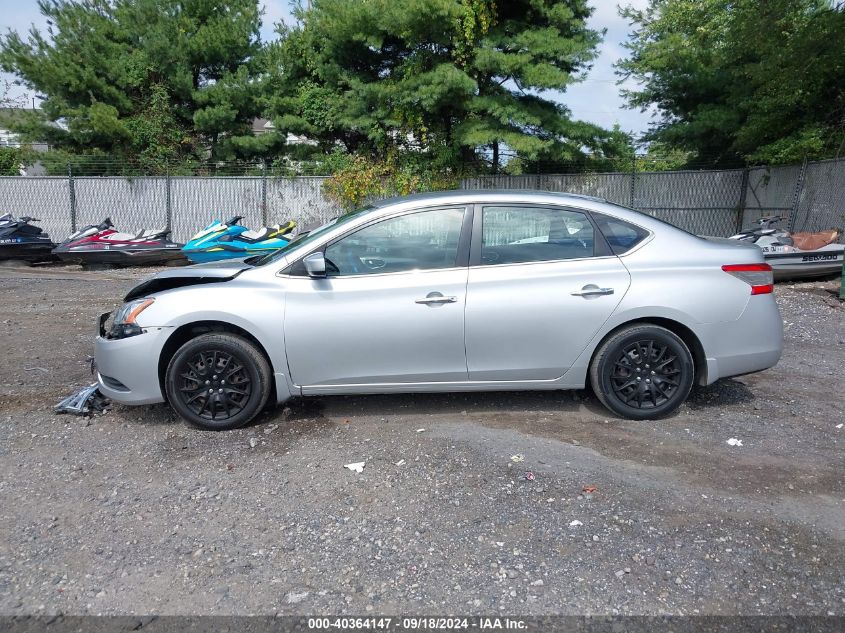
(230,240)
(22,240)
(103,244)
(796,255)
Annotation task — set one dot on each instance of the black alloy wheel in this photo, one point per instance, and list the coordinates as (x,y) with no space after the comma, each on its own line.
(642,372)
(646,374)
(215,385)
(218,381)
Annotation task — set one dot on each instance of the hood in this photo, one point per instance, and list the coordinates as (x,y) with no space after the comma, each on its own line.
(213,272)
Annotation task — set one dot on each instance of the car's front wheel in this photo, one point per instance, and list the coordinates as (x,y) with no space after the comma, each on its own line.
(218,381)
(642,372)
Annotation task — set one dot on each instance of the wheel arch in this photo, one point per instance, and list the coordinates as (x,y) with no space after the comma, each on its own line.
(188,331)
(683,332)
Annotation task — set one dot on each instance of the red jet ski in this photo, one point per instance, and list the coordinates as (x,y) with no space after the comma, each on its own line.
(103,244)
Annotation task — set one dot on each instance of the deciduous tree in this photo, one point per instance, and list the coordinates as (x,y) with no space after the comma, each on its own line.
(741,80)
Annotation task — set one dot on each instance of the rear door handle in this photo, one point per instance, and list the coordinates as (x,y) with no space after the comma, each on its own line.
(592,290)
(436,297)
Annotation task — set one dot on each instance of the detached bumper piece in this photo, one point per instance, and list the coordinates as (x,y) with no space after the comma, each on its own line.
(84,402)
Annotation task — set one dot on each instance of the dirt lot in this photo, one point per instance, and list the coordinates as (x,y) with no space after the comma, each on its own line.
(134,512)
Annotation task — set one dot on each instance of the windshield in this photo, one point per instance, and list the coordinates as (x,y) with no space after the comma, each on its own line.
(310,236)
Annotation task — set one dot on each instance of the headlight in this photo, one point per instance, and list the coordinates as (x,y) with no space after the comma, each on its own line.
(124,324)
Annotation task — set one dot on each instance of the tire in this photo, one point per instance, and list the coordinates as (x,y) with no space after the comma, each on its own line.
(218,382)
(642,372)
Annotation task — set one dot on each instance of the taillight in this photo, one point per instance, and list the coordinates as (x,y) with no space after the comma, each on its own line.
(758,276)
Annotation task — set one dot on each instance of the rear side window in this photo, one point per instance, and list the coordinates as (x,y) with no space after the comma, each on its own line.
(620,235)
(518,234)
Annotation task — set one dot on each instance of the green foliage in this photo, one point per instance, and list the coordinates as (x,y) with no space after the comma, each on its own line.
(10,161)
(361,180)
(741,81)
(147,82)
(454,79)
(660,157)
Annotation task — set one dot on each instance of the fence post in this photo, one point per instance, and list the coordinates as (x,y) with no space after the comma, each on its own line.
(799,187)
(72,193)
(842,283)
(633,179)
(740,208)
(168,201)
(264,214)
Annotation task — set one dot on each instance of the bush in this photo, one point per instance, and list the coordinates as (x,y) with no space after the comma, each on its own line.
(362,180)
(11,159)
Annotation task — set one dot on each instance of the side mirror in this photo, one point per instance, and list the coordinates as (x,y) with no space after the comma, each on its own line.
(315,264)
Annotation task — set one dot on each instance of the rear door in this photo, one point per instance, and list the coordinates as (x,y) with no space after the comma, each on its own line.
(542,281)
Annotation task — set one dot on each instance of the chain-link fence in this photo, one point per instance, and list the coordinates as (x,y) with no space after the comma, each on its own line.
(615,187)
(821,197)
(702,202)
(184,203)
(810,197)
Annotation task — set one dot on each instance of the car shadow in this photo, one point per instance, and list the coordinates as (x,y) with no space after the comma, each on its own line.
(150,415)
(386,405)
(724,392)
(315,409)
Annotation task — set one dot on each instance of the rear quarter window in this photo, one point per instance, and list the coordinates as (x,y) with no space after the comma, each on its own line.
(620,235)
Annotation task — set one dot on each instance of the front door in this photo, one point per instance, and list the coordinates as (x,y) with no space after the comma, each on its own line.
(391,309)
(541,283)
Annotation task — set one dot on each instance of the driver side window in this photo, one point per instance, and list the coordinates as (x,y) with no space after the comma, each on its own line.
(425,240)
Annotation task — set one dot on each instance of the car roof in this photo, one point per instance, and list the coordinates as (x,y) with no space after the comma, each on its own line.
(523,196)
(487,195)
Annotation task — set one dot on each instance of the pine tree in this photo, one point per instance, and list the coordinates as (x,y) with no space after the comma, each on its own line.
(457,78)
(148,82)
(739,81)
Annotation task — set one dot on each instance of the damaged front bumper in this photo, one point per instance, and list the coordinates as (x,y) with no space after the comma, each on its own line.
(85,401)
(127,368)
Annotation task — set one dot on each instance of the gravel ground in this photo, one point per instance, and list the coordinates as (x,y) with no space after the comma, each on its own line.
(132,512)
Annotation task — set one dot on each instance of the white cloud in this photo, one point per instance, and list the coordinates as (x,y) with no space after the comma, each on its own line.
(597,99)
(275,11)
(19,15)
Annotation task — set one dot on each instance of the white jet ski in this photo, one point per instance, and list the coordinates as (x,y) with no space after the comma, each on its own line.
(796,255)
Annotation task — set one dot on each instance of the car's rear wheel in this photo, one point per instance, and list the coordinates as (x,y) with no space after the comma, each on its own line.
(642,372)
(218,381)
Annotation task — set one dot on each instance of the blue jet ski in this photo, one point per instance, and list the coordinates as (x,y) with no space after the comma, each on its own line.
(230,240)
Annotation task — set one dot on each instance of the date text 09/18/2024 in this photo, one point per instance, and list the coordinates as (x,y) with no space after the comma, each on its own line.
(418,623)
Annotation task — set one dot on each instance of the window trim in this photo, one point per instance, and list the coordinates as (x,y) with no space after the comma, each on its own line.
(461,257)
(601,248)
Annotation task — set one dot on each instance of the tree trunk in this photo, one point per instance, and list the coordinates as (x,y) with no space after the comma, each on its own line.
(495,157)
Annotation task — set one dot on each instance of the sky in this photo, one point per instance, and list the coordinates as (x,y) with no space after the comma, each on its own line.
(595,100)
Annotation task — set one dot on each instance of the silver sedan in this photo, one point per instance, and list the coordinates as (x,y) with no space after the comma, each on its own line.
(457,291)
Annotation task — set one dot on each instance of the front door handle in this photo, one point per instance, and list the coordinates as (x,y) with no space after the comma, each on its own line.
(436,297)
(592,290)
